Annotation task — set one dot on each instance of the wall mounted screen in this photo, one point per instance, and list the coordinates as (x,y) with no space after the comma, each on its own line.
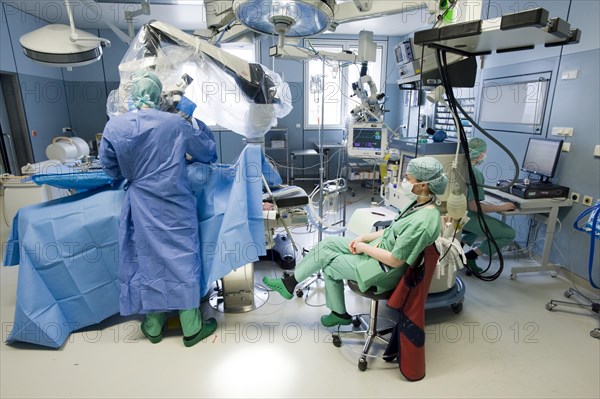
(515,104)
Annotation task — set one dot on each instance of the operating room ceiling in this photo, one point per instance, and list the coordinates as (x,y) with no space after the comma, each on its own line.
(185,14)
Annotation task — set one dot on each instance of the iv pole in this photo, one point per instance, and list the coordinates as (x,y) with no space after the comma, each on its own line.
(321,158)
(316,277)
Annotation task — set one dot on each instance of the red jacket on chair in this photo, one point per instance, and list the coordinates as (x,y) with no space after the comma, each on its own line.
(409,297)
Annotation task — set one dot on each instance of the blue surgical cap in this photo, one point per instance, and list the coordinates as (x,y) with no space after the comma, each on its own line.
(430,170)
(145,89)
(476,147)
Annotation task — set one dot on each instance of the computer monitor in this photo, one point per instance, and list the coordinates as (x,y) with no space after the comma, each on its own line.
(541,157)
(403,52)
(405,159)
(367,140)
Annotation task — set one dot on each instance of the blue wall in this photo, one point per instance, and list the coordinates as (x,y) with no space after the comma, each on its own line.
(55,98)
(571,103)
(42,88)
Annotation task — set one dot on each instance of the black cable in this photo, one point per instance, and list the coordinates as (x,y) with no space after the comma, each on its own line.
(498,143)
(450,246)
(452,104)
(481,220)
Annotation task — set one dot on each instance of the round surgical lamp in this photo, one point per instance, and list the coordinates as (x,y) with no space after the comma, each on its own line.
(291,18)
(53,45)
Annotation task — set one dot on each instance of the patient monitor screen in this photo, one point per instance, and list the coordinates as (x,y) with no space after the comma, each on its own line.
(367,141)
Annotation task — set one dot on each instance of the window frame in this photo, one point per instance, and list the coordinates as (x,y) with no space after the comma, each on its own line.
(347,103)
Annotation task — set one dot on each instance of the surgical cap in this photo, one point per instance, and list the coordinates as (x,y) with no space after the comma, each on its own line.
(476,147)
(145,89)
(430,170)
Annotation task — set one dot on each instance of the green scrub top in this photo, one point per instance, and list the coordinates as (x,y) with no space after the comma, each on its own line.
(480,192)
(408,236)
(480,181)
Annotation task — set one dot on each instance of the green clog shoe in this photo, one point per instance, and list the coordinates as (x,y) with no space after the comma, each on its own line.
(276,284)
(208,327)
(332,320)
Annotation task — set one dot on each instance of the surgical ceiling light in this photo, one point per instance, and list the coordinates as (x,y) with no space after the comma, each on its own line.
(63,46)
(291,18)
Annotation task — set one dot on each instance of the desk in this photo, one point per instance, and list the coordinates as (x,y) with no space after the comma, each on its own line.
(327,147)
(534,206)
(300,153)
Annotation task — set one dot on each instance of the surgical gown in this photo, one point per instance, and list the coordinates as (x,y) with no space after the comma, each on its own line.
(408,235)
(503,234)
(159,260)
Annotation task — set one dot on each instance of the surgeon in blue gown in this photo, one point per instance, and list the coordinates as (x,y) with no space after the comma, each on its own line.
(159,247)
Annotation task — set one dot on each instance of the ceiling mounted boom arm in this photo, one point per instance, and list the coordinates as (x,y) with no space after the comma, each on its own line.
(129,15)
(360,10)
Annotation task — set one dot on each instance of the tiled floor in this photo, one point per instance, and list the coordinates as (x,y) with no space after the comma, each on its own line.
(503,344)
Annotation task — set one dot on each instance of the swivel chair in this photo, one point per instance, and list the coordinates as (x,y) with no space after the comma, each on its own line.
(370,333)
(369,330)
(409,299)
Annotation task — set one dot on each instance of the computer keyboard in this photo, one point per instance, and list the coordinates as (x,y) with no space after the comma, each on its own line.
(493,200)
(490,199)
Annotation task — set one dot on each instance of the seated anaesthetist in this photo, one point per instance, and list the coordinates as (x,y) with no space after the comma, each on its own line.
(502,233)
(159,260)
(377,259)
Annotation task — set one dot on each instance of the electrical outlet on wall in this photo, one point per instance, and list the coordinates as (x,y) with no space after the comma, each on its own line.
(575,197)
(587,200)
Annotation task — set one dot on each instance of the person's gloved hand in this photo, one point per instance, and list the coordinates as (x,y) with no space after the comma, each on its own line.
(186,108)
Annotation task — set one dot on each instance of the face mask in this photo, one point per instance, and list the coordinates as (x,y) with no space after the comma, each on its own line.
(480,160)
(407,187)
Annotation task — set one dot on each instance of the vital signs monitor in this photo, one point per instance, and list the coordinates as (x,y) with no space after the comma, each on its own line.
(367,140)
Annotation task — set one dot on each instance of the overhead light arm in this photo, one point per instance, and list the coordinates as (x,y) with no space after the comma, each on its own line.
(363,5)
(366,51)
(129,15)
(71,22)
(75,37)
(356,11)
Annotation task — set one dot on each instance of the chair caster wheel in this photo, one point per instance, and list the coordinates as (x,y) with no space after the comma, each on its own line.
(337,341)
(595,333)
(457,307)
(356,321)
(550,306)
(362,363)
(513,276)
(568,293)
(469,272)
(299,293)
(554,274)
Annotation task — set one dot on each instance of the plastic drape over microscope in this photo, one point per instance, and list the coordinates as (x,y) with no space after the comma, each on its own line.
(246,98)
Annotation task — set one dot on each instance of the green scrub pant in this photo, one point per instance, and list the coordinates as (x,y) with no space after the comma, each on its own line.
(337,263)
(503,234)
(190,320)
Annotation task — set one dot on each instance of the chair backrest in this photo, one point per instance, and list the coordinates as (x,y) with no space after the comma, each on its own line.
(409,299)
